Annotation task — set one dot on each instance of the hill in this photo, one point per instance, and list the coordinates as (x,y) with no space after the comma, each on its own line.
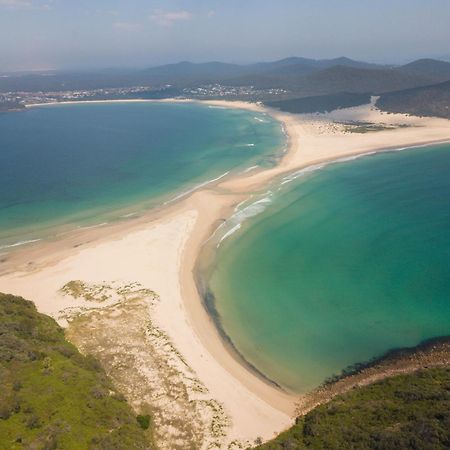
(303,76)
(52,396)
(320,103)
(423,101)
(304,66)
(402,412)
(433,69)
(332,80)
(361,80)
(185,73)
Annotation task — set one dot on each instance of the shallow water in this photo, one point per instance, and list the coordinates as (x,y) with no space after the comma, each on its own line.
(78,165)
(343,264)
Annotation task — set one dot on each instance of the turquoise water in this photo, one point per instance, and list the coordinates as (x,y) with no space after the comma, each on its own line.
(344,264)
(80,164)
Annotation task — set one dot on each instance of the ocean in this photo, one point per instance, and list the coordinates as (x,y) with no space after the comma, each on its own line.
(82,165)
(336,265)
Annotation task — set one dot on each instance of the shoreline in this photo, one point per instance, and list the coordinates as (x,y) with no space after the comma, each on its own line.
(77,102)
(238,104)
(202,283)
(255,407)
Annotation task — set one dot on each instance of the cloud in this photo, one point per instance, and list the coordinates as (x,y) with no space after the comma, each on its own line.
(16,3)
(24,4)
(168,18)
(127,26)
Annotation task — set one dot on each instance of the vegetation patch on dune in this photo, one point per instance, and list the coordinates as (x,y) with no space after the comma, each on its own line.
(146,367)
(102,292)
(52,397)
(369,127)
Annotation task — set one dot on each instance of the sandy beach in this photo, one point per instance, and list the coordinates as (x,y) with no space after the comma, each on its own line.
(160,250)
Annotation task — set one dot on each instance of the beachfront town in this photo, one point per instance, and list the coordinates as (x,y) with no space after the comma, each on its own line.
(17,99)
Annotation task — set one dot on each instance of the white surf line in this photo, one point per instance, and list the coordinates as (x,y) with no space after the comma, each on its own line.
(260,120)
(229,233)
(241,215)
(19,243)
(129,215)
(92,226)
(300,173)
(236,209)
(250,168)
(195,188)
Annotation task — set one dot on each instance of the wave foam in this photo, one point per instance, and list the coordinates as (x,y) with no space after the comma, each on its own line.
(229,233)
(250,168)
(195,188)
(260,120)
(125,216)
(234,223)
(88,227)
(301,173)
(19,243)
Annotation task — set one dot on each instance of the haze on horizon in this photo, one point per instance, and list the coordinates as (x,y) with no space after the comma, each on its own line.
(62,34)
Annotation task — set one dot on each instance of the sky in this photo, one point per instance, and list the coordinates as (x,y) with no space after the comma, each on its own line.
(87,34)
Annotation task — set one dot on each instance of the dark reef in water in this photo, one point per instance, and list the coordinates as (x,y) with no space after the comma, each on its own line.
(209,303)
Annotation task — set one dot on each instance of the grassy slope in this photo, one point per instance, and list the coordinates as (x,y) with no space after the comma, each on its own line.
(403,412)
(52,396)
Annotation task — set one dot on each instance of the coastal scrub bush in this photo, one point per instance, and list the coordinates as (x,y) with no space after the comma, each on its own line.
(403,412)
(143,421)
(51,396)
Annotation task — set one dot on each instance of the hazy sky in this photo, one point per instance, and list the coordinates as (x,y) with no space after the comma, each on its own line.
(53,34)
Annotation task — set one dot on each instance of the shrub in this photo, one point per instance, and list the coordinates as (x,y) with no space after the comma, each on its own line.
(143,421)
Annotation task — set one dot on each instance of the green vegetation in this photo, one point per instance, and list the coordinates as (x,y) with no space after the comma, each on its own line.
(144,421)
(423,101)
(144,364)
(103,292)
(321,103)
(369,127)
(403,412)
(52,397)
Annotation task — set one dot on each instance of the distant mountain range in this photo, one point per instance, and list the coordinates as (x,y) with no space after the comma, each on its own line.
(301,75)
(292,78)
(429,68)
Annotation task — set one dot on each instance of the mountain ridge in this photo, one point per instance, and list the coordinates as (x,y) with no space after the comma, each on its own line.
(288,73)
